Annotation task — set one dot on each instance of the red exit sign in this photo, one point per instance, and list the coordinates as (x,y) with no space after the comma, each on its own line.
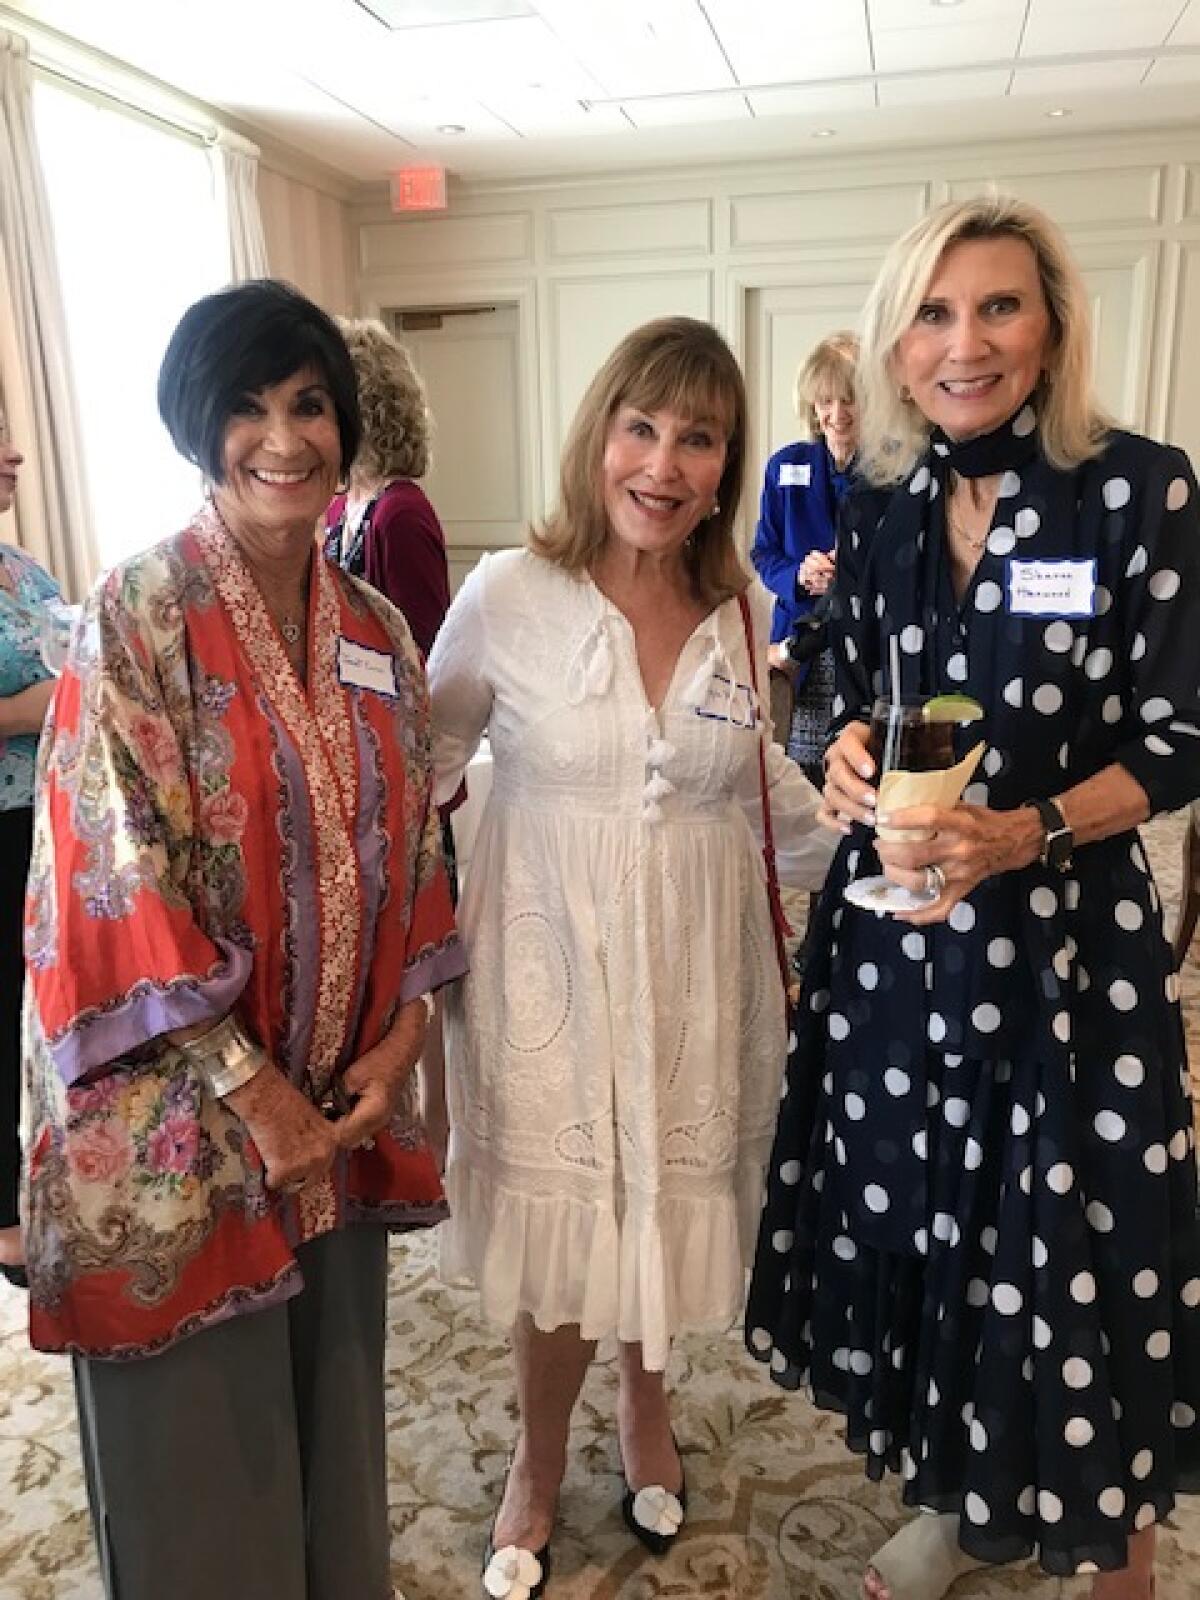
(419,189)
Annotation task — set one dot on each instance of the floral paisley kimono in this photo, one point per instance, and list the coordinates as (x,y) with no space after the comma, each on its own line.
(212,834)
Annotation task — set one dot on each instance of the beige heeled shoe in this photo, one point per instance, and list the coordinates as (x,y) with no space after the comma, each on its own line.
(924,1559)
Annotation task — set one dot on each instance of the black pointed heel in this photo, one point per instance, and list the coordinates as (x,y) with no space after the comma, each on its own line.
(509,1573)
(667,1510)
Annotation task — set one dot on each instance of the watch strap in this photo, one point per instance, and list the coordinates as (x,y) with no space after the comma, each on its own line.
(1057,839)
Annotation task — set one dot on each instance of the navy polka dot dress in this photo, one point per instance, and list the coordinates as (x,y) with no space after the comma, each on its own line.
(980,1238)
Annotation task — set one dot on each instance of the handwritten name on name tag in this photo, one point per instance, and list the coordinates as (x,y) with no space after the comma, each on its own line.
(1051,588)
(795,474)
(724,702)
(360,667)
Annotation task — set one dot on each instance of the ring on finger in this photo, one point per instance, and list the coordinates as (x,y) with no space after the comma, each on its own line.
(935,880)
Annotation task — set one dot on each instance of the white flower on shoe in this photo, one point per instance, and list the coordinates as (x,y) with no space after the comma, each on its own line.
(512,1573)
(658,1510)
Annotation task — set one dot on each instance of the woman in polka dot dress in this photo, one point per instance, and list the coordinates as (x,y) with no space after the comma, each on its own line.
(980,1237)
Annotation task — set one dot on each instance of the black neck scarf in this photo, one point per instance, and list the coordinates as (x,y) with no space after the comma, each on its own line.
(1005,449)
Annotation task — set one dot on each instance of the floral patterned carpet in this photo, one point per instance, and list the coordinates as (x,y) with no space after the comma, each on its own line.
(777,1508)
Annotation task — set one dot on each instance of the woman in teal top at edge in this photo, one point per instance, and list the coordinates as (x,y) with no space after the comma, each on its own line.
(26,685)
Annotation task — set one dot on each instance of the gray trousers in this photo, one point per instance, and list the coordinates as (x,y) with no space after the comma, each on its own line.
(249,1461)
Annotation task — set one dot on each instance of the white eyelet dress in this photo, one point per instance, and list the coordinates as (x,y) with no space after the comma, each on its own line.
(615,1056)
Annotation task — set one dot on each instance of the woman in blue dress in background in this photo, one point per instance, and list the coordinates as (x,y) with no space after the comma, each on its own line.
(26,685)
(980,1240)
(793,546)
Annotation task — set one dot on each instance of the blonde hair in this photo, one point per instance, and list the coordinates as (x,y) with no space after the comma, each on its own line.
(1071,426)
(675,364)
(396,425)
(827,369)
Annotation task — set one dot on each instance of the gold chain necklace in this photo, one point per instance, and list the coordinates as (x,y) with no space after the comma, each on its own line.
(960,531)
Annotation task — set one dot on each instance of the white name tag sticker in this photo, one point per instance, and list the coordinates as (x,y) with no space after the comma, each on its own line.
(725,703)
(1051,588)
(795,474)
(360,667)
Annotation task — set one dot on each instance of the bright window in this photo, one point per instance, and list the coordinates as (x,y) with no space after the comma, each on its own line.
(139,235)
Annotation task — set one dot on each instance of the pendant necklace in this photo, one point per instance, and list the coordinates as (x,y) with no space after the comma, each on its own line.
(291,630)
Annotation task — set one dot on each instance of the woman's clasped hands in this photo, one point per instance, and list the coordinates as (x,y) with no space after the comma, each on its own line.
(299,1144)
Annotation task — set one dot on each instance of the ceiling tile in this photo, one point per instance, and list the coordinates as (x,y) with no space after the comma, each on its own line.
(767,41)
(924,14)
(945,88)
(1068,83)
(631,48)
(678,110)
(1187,29)
(956,44)
(1059,27)
(817,101)
(1175,69)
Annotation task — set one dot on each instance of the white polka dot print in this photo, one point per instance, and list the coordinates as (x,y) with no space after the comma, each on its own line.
(988,596)
(1026,523)
(1122,994)
(956,667)
(1079,1432)
(1050,1507)
(1001,952)
(1047,698)
(1164,584)
(1001,541)
(1177,494)
(1110,1126)
(1059,637)
(1128,1072)
(1128,916)
(1116,493)
(1098,663)
(911,640)
(1111,1501)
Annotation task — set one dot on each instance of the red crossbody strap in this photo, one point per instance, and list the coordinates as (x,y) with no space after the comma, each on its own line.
(779,921)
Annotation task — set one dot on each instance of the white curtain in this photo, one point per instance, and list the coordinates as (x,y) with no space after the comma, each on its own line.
(235,168)
(55,515)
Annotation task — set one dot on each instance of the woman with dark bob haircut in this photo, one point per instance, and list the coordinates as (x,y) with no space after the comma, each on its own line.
(238,914)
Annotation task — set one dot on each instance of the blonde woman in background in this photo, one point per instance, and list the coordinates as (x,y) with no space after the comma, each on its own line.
(385,530)
(793,551)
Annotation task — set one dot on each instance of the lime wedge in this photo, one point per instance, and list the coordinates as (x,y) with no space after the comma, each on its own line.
(959,708)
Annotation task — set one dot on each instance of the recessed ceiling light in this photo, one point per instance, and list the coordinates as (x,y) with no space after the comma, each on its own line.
(1059,111)
(451,127)
(824,133)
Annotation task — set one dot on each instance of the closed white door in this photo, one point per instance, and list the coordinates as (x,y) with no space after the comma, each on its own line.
(469,360)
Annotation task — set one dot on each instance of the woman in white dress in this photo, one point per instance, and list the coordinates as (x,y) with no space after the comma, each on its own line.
(614,1059)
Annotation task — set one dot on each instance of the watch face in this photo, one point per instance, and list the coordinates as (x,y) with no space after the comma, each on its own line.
(1058,848)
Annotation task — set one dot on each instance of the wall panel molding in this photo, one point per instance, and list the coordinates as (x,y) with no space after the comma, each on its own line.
(815,216)
(449,242)
(678,227)
(1107,197)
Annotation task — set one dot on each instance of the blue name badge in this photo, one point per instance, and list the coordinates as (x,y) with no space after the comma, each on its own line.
(726,702)
(1064,588)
